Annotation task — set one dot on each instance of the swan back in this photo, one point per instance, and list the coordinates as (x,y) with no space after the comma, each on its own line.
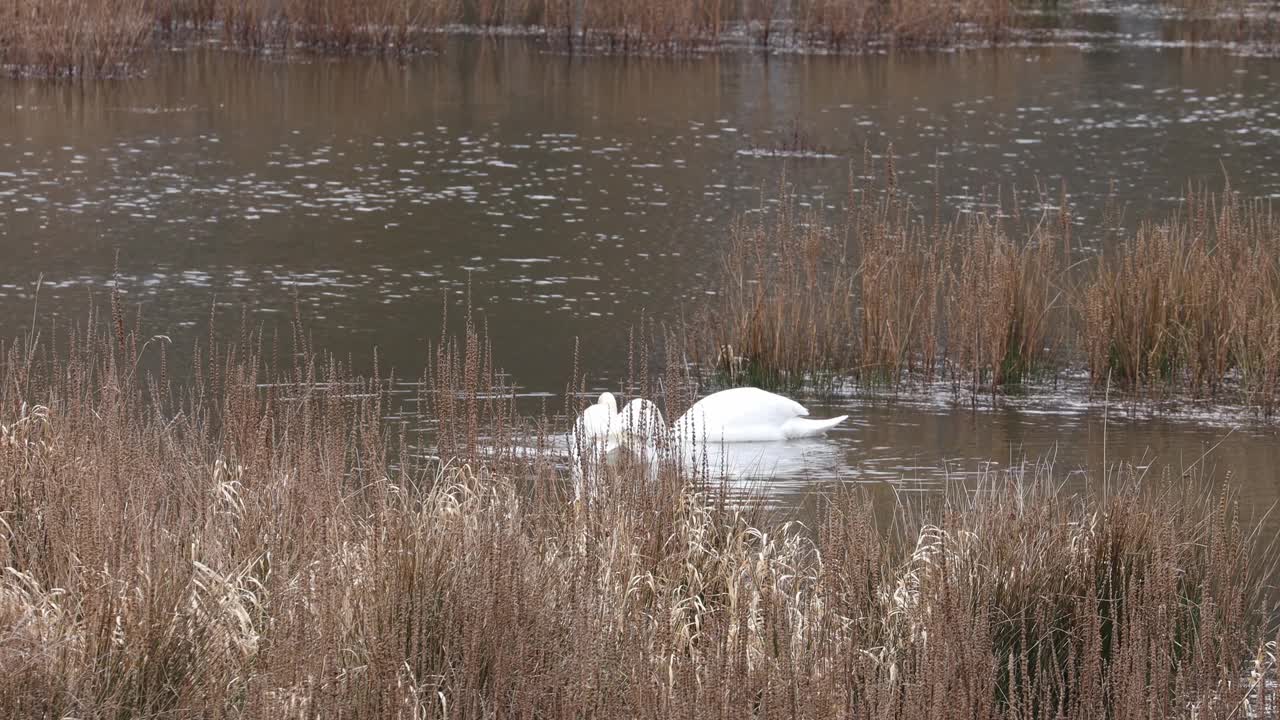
(743,415)
(641,419)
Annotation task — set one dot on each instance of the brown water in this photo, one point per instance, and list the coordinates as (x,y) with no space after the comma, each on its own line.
(576,193)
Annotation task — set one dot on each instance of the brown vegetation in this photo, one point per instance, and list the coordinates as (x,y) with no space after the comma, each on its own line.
(854,24)
(1191,303)
(884,296)
(71,37)
(260,543)
(103,38)
(1255,25)
(1187,305)
(59,38)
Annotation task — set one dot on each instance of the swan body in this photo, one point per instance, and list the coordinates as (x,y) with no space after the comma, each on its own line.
(747,414)
(599,423)
(594,434)
(643,433)
(641,420)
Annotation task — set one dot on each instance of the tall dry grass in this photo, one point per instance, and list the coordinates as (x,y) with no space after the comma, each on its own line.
(1191,303)
(786,298)
(71,38)
(856,24)
(881,296)
(334,26)
(1005,309)
(259,541)
(1253,24)
(878,295)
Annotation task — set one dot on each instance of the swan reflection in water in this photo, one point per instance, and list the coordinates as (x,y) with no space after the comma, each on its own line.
(804,459)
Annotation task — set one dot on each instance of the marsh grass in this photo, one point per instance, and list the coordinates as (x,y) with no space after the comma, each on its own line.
(1191,303)
(107,37)
(70,38)
(857,24)
(880,296)
(259,541)
(1253,24)
(785,299)
(333,26)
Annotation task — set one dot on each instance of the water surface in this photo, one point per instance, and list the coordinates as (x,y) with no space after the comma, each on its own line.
(577,194)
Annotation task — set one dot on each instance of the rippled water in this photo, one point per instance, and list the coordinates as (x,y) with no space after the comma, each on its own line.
(576,193)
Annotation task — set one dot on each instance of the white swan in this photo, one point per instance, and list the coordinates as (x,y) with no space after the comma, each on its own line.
(643,432)
(595,432)
(641,419)
(599,422)
(748,414)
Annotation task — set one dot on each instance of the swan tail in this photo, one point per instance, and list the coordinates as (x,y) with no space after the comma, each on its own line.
(804,427)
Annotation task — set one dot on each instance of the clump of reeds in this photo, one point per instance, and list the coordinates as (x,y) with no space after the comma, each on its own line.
(880,296)
(1098,605)
(857,24)
(793,142)
(1002,313)
(902,275)
(785,306)
(1190,303)
(258,540)
(67,37)
(72,38)
(334,26)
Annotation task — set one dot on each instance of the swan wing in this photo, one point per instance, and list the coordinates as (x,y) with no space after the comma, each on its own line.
(740,415)
(641,418)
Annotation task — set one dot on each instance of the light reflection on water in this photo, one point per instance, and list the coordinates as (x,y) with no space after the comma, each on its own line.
(573,194)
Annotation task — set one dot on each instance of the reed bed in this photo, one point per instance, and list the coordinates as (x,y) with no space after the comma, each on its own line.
(1255,25)
(260,542)
(856,24)
(1187,306)
(331,26)
(789,254)
(620,25)
(884,297)
(107,37)
(1191,303)
(67,38)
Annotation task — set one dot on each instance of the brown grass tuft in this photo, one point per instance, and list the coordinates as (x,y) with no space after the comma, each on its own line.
(1188,305)
(882,297)
(1191,303)
(72,38)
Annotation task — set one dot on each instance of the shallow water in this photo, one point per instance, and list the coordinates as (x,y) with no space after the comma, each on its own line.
(576,194)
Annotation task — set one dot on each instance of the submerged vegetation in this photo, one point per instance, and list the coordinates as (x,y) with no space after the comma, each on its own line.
(883,296)
(260,542)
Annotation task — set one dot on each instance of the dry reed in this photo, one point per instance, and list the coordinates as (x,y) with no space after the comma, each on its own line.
(260,542)
(856,24)
(878,296)
(68,38)
(1191,303)
(882,297)
(786,299)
